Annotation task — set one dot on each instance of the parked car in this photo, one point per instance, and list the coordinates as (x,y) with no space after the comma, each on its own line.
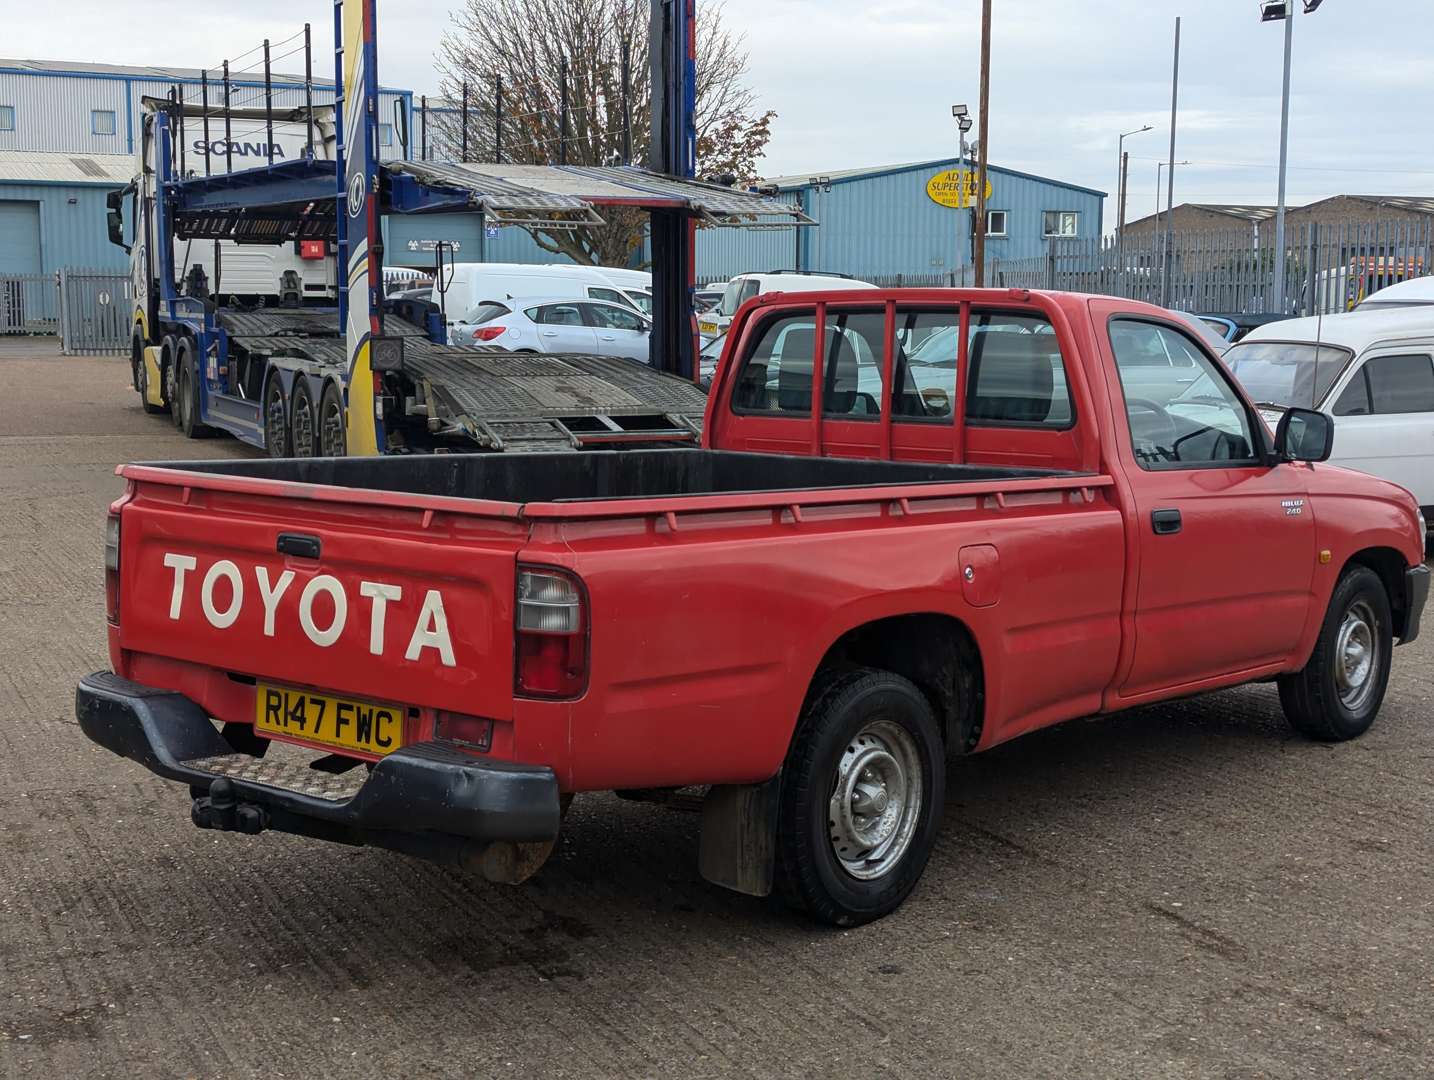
(467,285)
(1372,371)
(560,326)
(881,579)
(707,359)
(744,287)
(1414,292)
(1234,326)
(1209,332)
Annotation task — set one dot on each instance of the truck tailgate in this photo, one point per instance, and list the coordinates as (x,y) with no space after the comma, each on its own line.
(387,603)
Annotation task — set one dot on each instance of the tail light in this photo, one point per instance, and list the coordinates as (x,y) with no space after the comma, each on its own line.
(112,580)
(552,633)
(488,333)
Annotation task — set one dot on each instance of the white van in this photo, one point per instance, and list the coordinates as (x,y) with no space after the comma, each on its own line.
(1373,371)
(743,287)
(464,286)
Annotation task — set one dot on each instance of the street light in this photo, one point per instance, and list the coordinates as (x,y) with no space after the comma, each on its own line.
(1275,11)
(962,116)
(1120,183)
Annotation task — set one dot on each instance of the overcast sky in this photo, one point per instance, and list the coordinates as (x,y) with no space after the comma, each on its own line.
(871,82)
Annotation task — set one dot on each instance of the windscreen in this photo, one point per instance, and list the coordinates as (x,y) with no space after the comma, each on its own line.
(737,292)
(1286,373)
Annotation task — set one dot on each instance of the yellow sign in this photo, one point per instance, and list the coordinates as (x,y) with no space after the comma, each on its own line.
(955,187)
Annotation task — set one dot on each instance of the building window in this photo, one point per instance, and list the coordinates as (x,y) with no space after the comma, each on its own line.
(7,118)
(385,134)
(102,122)
(995,223)
(1061,223)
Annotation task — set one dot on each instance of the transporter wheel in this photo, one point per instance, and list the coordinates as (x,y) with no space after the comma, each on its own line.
(303,420)
(276,418)
(186,406)
(141,383)
(862,794)
(1338,694)
(333,429)
(168,346)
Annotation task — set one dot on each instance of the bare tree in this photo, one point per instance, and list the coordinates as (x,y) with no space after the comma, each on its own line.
(597,50)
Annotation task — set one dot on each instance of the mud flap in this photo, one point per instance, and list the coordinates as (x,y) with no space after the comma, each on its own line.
(739,836)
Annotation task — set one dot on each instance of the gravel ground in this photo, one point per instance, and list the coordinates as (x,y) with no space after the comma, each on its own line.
(1180,891)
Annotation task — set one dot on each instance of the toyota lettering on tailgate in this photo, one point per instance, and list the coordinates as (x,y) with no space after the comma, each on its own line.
(429,631)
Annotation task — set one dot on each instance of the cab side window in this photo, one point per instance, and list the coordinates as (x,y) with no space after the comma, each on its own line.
(1174,421)
(1389,384)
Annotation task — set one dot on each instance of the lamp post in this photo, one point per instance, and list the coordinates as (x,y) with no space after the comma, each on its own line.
(1120,182)
(1276,11)
(962,116)
(1166,236)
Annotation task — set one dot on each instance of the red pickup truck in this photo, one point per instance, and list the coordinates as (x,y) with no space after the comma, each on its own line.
(923,523)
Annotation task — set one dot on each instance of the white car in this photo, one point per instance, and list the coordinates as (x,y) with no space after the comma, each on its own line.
(463,287)
(1373,371)
(743,287)
(1414,292)
(592,327)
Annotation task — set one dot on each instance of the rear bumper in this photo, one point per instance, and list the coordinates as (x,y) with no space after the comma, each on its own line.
(427,799)
(1416,592)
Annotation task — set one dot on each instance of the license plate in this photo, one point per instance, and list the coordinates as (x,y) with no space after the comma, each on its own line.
(343,723)
(707,327)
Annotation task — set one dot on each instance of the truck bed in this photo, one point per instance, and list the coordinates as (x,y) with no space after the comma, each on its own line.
(603,476)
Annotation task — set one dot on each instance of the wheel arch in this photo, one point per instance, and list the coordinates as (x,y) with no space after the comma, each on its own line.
(936,651)
(1390,565)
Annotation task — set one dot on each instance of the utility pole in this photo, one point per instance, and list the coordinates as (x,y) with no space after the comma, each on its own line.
(1170,196)
(1120,210)
(1284,157)
(979,255)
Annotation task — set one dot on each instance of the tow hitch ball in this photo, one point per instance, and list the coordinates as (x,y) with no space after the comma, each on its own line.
(222,810)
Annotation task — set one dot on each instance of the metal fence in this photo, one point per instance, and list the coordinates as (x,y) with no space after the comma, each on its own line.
(94,312)
(1328,268)
(28,304)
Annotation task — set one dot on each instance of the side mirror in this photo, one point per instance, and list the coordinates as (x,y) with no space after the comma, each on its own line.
(115,220)
(1304,435)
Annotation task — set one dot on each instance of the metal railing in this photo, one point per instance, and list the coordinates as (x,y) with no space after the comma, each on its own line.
(95,312)
(29,304)
(1328,268)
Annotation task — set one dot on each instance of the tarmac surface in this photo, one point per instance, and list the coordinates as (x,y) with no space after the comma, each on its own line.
(1188,890)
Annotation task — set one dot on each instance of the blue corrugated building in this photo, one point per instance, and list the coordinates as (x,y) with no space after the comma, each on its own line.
(911,220)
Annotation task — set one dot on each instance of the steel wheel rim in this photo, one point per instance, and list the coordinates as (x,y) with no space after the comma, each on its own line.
(274,421)
(303,426)
(875,802)
(333,437)
(170,396)
(1356,656)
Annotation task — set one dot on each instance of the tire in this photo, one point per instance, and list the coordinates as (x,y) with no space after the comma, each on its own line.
(838,865)
(333,430)
(141,383)
(1338,694)
(168,346)
(186,407)
(276,419)
(303,420)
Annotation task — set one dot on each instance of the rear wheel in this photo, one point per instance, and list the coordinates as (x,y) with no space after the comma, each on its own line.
(276,418)
(1338,694)
(186,407)
(303,420)
(862,794)
(333,432)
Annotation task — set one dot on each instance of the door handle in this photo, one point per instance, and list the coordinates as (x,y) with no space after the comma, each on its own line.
(550,333)
(1165,522)
(609,337)
(300,545)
